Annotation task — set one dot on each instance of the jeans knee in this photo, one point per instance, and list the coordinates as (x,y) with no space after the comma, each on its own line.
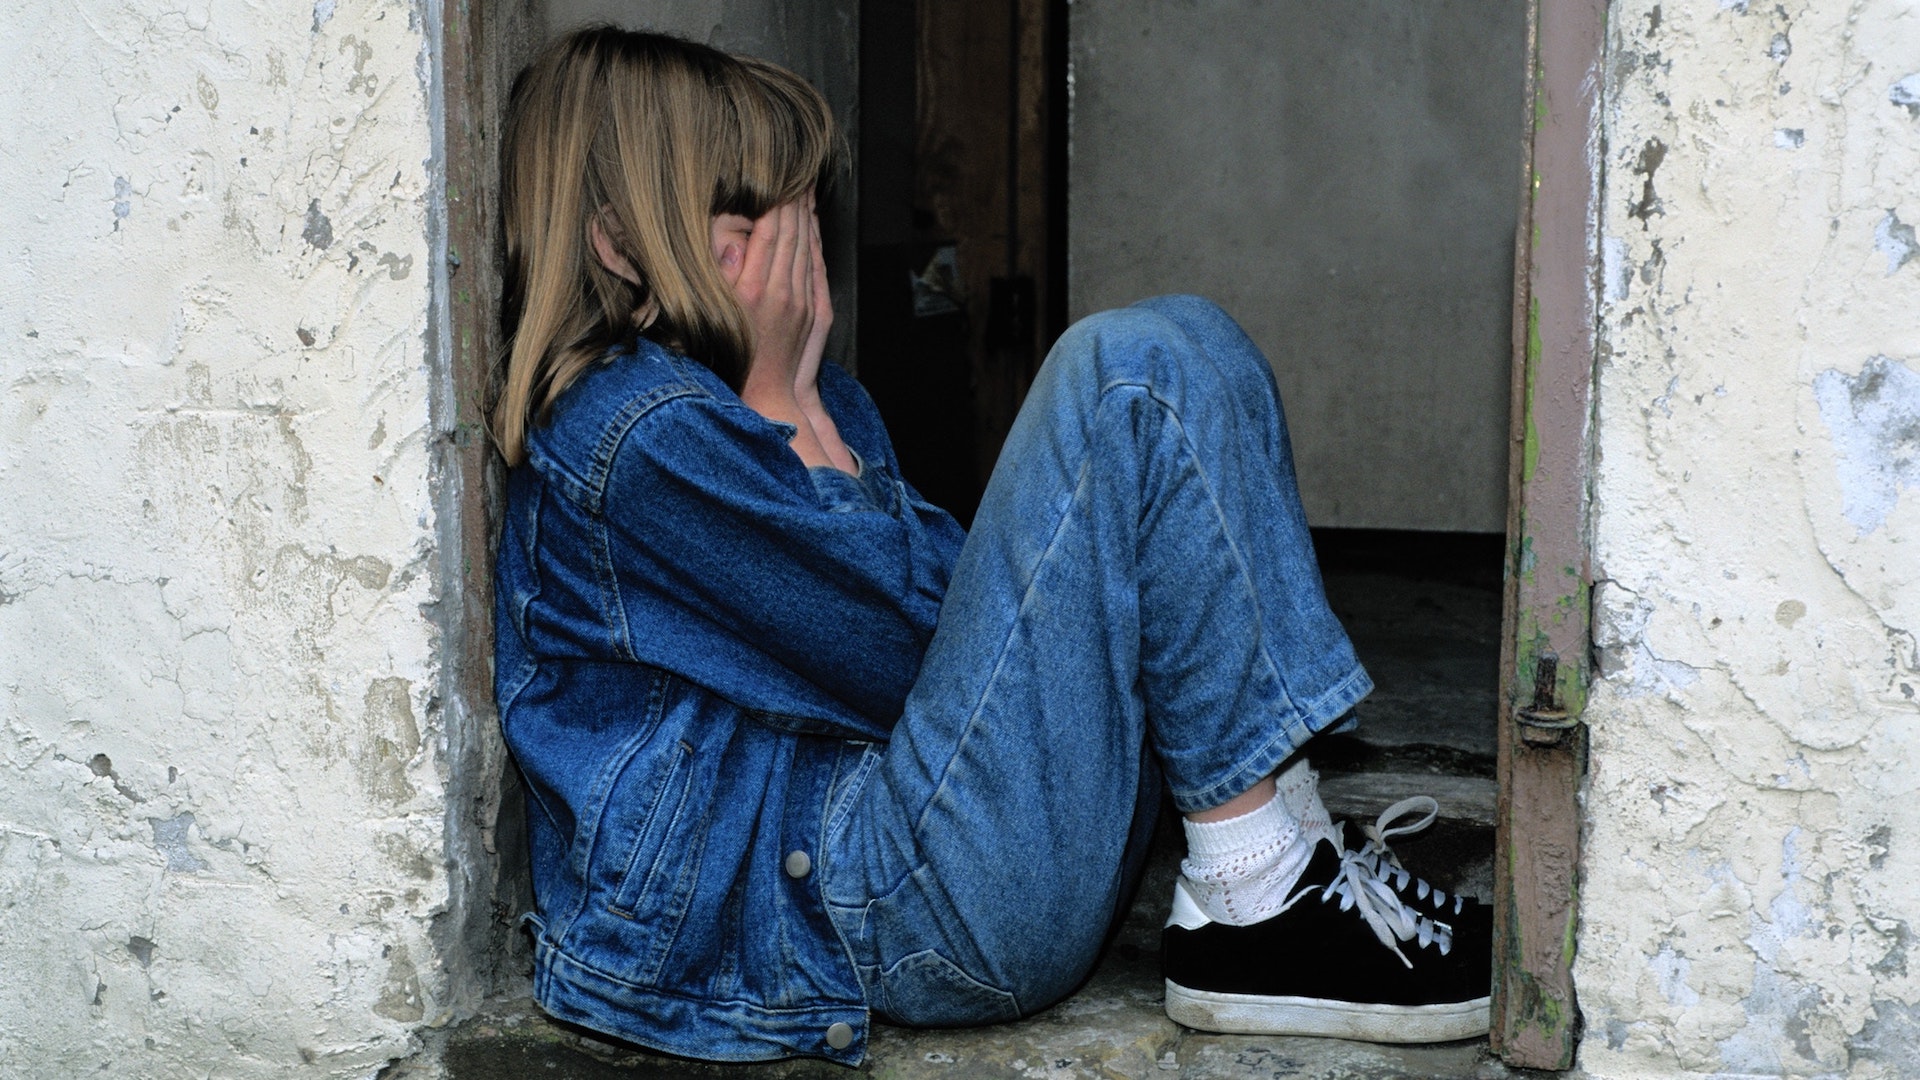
(1214,332)
(1183,351)
(1116,346)
(1130,326)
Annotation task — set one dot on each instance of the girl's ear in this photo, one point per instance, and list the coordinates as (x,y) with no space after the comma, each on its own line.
(608,254)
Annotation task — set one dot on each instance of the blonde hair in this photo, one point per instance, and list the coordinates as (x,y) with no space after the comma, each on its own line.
(650,136)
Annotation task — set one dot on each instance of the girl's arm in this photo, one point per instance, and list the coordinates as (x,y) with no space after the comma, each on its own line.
(719,535)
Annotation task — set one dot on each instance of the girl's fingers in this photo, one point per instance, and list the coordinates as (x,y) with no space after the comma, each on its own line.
(757,266)
(778,286)
(808,262)
(819,291)
(803,260)
(785,247)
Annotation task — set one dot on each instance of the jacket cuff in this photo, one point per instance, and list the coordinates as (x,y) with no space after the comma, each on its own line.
(838,492)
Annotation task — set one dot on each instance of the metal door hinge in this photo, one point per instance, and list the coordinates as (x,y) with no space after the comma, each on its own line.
(1545,722)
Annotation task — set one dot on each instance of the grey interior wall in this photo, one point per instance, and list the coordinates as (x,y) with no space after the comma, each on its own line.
(1343,176)
(819,39)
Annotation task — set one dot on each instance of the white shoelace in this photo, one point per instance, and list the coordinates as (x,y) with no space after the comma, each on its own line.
(1385,864)
(1391,920)
(1363,884)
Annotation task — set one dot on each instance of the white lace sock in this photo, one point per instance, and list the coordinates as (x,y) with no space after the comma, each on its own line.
(1299,788)
(1240,870)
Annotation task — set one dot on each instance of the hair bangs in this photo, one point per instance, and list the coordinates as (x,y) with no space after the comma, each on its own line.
(789,145)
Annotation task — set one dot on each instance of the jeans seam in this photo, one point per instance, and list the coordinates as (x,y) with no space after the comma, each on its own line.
(1241,572)
(1005,649)
(884,972)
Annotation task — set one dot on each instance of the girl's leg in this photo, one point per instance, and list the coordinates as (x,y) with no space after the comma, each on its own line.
(1138,596)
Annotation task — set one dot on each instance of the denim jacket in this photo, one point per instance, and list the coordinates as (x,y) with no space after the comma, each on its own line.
(699,643)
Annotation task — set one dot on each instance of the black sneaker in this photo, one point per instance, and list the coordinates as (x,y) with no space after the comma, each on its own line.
(1346,958)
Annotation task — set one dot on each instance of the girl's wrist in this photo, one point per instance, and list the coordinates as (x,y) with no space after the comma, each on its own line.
(815,438)
(828,434)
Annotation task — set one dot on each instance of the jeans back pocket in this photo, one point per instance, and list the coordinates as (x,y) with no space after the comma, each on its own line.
(925,989)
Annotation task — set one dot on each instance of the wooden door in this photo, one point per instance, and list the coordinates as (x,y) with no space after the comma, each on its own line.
(1547,633)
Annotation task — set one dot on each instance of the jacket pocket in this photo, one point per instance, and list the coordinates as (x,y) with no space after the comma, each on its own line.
(663,862)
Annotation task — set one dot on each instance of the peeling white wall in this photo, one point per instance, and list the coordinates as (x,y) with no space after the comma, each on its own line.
(1752,875)
(220,808)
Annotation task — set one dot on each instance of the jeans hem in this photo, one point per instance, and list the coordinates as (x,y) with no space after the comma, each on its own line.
(1321,714)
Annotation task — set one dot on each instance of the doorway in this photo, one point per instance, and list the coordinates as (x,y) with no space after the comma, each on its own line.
(1347,180)
(957,244)
(1340,176)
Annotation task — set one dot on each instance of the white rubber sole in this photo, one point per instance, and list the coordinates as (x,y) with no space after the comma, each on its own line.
(1252,1014)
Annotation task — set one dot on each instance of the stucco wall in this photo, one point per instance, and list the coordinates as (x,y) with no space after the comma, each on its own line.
(1752,877)
(220,808)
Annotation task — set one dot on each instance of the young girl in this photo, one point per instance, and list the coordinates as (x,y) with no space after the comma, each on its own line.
(798,753)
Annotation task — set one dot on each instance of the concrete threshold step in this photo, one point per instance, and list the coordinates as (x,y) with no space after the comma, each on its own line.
(1111,1029)
(1115,1026)
(1361,796)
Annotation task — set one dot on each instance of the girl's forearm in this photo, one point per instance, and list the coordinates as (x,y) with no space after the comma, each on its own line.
(775,402)
(828,436)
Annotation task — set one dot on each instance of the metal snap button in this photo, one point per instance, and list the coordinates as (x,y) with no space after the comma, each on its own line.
(839,1036)
(798,865)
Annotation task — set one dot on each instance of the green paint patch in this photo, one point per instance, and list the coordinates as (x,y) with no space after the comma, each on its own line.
(1570,681)
(1530,640)
(1530,448)
(1539,94)
(1569,940)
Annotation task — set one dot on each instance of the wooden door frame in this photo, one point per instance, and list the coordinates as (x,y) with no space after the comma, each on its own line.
(1546,630)
(482,45)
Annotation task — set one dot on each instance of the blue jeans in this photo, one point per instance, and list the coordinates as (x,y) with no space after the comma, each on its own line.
(1138,603)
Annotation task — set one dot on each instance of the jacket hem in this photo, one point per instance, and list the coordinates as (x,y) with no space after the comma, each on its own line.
(733,1031)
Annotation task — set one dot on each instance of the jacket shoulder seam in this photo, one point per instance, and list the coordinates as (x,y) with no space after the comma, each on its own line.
(588,486)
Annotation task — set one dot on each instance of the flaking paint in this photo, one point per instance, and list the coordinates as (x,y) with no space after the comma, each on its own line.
(1750,868)
(221,819)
